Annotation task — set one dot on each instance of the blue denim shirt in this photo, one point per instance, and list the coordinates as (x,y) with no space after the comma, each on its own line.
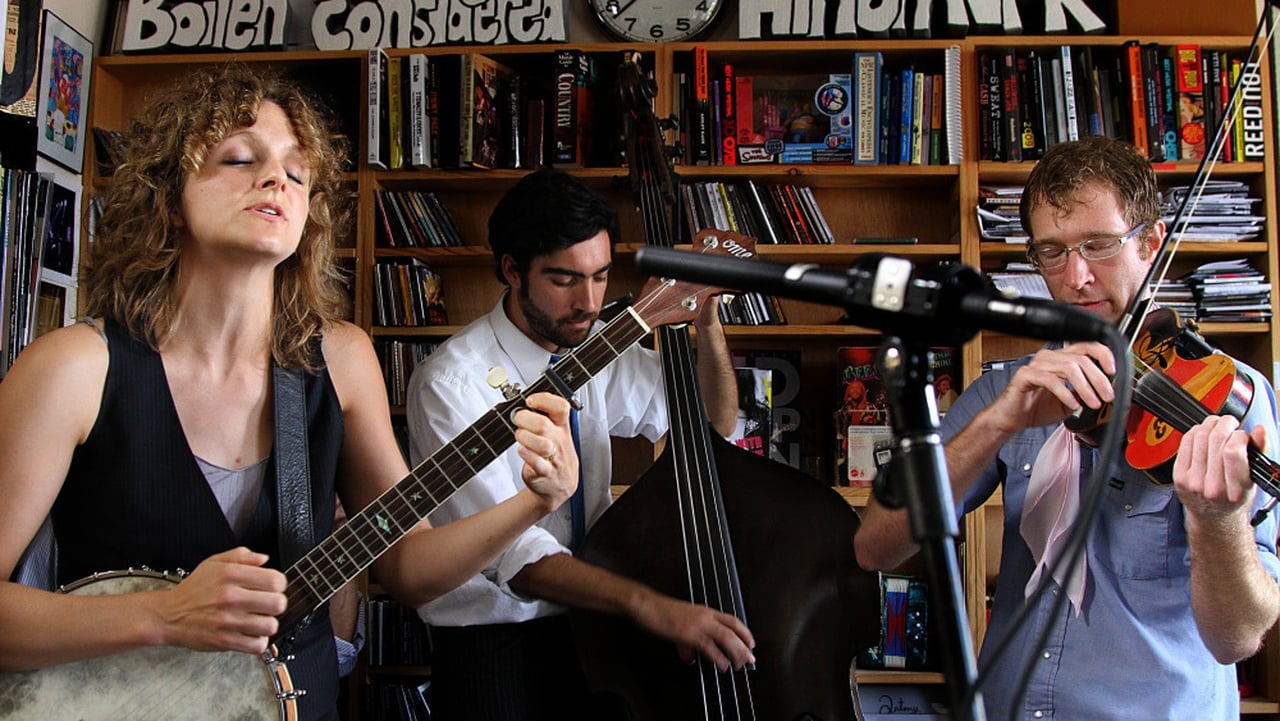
(1135,651)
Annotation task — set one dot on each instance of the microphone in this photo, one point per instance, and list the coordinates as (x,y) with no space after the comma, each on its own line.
(949,302)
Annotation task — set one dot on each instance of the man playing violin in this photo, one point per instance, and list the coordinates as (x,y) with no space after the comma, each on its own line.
(1175,584)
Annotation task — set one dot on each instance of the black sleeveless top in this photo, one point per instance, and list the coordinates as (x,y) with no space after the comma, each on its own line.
(134,496)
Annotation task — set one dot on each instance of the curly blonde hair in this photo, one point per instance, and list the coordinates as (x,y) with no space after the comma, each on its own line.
(131,266)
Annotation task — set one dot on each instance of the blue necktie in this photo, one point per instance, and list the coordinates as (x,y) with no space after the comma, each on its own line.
(577,502)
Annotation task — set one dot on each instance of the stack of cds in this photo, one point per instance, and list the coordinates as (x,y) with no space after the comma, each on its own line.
(1230,291)
(1222,212)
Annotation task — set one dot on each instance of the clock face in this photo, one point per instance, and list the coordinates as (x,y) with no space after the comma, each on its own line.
(656,21)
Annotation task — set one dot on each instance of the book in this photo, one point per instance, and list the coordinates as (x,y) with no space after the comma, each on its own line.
(701,143)
(572,139)
(1011,97)
(862,416)
(1169,108)
(1153,102)
(1072,111)
(907,82)
(1190,84)
(378,110)
(904,623)
(481,121)
(419,111)
(728,116)
(535,139)
(1253,127)
(395,113)
(444,90)
(1137,113)
(793,441)
(952,108)
(753,431)
(921,90)
(862,420)
(935,124)
(866,114)
(515,131)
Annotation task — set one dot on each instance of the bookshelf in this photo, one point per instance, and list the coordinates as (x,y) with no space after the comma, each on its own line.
(933,202)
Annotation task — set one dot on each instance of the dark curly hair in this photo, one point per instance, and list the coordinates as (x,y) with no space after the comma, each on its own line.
(131,265)
(547,211)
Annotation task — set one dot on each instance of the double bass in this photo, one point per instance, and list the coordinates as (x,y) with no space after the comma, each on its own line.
(717,525)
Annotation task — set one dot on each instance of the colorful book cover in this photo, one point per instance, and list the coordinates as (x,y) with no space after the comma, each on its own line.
(904,619)
(1190,83)
(793,440)
(753,431)
(862,416)
(484,81)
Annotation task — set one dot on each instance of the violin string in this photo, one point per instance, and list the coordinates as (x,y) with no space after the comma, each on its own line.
(1170,402)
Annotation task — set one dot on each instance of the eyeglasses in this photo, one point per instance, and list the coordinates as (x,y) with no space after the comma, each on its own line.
(1051,256)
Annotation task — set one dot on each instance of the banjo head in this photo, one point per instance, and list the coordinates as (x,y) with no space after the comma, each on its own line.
(163,682)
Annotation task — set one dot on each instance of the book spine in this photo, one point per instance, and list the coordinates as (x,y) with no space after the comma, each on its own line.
(1253,127)
(1152,102)
(1032,103)
(904,116)
(467,112)
(995,103)
(1069,94)
(953,107)
(566,113)
(918,110)
(1012,106)
(1190,102)
(419,132)
(1209,81)
(888,89)
(701,108)
(1137,97)
(743,94)
(376,109)
(1169,103)
(395,114)
(515,131)
(728,117)
(866,95)
(1223,69)
(536,139)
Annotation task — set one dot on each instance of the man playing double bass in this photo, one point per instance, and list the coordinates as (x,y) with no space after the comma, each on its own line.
(1175,586)
(502,645)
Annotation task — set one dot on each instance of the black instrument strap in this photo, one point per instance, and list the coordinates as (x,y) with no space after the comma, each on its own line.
(293,476)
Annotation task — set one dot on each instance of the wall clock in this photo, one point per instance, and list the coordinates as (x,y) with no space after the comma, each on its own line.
(656,21)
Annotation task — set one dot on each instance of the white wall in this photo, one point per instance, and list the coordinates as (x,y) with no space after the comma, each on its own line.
(86,16)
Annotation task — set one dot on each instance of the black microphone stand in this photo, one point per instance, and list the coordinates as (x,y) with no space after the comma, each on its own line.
(917,478)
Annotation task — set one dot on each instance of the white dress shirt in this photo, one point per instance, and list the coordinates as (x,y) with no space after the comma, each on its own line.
(448,392)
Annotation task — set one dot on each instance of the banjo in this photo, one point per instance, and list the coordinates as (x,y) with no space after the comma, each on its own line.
(168,682)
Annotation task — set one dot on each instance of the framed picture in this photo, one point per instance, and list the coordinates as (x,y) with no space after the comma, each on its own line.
(66,61)
(59,260)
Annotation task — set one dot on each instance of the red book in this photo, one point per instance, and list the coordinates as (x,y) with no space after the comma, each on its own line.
(1190,87)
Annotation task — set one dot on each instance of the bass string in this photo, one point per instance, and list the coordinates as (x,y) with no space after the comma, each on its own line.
(726,695)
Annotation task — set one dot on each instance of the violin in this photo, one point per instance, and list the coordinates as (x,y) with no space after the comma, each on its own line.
(1179,383)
